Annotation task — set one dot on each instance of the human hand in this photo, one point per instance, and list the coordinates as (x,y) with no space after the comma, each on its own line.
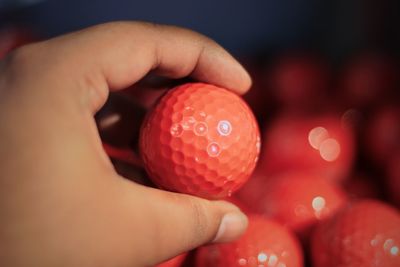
(61,201)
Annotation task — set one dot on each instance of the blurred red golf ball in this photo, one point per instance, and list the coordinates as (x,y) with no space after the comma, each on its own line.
(368,79)
(365,234)
(382,136)
(308,143)
(252,191)
(393,179)
(201,140)
(174,262)
(265,243)
(300,200)
(299,81)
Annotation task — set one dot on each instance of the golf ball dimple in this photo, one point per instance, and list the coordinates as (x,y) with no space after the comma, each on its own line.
(200,139)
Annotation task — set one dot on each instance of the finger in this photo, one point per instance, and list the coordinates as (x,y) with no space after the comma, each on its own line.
(116,55)
(150,88)
(175,223)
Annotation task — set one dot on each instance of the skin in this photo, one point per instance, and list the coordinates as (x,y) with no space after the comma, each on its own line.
(61,201)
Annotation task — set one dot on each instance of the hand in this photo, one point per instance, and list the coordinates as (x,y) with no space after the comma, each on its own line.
(61,201)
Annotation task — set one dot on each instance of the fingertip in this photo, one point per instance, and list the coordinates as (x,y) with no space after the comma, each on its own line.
(222,69)
(224,205)
(233,222)
(244,80)
(236,76)
(232,226)
(188,223)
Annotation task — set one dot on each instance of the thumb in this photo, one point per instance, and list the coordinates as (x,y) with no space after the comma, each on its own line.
(174,223)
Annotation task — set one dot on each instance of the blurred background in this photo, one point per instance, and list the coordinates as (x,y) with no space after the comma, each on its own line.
(336,28)
(326,88)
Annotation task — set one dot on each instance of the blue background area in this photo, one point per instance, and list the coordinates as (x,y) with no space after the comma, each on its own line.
(237,25)
(243,27)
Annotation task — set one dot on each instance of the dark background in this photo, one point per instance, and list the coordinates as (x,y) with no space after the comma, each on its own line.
(336,28)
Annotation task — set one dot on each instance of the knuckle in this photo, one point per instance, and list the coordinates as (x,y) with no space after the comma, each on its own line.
(22,55)
(200,219)
(125,26)
(112,25)
(153,25)
(96,90)
(21,60)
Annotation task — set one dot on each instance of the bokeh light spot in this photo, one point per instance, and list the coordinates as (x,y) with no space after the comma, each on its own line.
(329,149)
(316,136)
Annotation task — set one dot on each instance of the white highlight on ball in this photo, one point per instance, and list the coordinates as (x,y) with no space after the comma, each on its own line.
(242,262)
(394,251)
(213,149)
(200,128)
(273,260)
(176,130)
(318,203)
(224,128)
(262,257)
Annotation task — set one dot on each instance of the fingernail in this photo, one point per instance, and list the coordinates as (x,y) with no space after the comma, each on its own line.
(233,224)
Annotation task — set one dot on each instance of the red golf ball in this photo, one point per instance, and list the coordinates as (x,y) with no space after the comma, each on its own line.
(251,193)
(201,140)
(393,179)
(174,262)
(300,200)
(299,81)
(308,143)
(265,243)
(363,235)
(382,136)
(368,79)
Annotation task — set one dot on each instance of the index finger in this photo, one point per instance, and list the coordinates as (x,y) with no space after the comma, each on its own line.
(115,55)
